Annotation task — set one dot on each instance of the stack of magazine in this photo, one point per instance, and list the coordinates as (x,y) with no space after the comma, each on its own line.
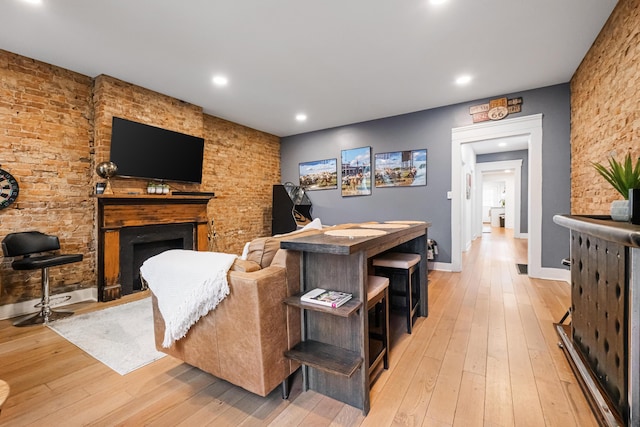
(325,297)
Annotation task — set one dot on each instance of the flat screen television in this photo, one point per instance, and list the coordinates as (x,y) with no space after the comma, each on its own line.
(149,152)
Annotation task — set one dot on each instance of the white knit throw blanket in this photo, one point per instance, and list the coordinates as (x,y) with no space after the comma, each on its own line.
(187,285)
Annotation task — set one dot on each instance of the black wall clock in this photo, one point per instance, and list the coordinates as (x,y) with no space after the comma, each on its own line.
(9,189)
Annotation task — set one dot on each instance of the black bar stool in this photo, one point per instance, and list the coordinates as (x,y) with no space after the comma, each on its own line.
(26,244)
(403,271)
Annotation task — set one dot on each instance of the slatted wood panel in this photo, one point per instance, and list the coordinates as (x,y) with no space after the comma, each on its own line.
(486,355)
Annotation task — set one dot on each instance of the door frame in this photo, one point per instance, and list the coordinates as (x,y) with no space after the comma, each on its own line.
(530,126)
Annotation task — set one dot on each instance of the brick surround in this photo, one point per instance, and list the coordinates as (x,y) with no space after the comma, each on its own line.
(605,118)
(56,126)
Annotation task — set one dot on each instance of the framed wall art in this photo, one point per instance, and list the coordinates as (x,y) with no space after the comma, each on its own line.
(356,172)
(319,175)
(401,168)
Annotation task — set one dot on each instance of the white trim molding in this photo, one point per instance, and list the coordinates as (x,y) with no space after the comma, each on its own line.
(530,126)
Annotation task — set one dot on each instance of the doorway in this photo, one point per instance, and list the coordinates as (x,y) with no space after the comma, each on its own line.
(529,127)
(509,173)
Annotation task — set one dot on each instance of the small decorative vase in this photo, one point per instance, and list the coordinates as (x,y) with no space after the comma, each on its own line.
(620,210)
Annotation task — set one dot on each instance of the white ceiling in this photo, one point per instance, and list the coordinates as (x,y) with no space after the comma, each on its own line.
(338,61)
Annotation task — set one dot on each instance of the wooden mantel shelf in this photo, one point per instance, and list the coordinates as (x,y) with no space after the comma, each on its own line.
(163,197)
(117,212)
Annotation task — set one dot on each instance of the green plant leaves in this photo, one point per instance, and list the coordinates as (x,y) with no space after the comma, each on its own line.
(622,176)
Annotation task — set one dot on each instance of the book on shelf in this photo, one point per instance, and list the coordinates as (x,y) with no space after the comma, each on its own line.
(326,297)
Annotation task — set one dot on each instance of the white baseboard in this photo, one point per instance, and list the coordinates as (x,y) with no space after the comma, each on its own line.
(27,307)
(440,266)
(553,274)
(545,273)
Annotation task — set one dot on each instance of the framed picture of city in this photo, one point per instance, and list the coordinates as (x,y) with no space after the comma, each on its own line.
(356,172)
(401,168)
(319,175)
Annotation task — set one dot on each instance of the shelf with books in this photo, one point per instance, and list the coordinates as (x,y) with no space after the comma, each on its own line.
(345,310)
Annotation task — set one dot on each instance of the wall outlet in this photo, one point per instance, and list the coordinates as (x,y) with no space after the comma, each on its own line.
(449,195)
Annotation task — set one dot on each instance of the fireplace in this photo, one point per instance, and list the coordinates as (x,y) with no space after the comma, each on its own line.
(133,228)
(137,244)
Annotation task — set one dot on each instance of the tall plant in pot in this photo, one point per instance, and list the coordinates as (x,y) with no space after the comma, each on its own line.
(623,176)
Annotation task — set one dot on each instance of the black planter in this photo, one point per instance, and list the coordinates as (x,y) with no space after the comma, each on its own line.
(634,205)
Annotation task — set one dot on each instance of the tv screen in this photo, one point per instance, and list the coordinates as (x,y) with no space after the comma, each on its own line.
(143,151)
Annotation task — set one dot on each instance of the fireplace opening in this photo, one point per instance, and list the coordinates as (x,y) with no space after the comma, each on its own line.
(137,244)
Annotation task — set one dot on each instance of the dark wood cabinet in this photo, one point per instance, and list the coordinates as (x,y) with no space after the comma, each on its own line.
(602,343)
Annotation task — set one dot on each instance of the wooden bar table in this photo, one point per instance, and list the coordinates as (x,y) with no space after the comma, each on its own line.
(334,350)
(603,341)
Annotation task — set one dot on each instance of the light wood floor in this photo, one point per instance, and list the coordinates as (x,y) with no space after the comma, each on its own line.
(486,355)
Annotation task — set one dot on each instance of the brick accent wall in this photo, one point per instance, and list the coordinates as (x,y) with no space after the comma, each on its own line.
(605,118)
(113,97)
(55,127)
(45,134)
(241,165)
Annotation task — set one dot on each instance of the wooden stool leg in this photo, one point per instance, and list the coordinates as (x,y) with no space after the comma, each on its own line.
(409,299)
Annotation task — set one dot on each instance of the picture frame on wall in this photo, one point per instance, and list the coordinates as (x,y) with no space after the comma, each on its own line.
(401,168)
(356,172)
(319,175)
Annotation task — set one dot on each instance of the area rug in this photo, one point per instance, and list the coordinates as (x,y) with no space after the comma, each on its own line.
(121,337)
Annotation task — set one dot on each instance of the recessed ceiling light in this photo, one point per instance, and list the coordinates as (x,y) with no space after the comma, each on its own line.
(301,117)
(36,2)
(437,1)
(507,171)
(502,144)
(463,80)
(220,80)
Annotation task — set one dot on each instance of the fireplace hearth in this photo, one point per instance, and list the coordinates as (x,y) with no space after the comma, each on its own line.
(137,244)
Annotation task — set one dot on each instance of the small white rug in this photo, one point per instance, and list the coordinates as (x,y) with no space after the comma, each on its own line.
(121,337)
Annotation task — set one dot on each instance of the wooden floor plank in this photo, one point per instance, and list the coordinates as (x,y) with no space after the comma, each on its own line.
(414,405)
(470,405)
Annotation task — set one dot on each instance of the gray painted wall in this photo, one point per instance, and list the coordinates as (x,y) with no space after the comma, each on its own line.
(431,129)
(524,180)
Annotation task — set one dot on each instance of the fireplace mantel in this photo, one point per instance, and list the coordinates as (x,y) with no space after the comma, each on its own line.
(116,212)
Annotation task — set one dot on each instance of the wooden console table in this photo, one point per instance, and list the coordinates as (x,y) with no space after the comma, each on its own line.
(335,347)
(118,212)
(603,342)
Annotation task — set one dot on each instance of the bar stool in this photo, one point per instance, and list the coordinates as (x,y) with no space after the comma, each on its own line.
(44,247)
(403,271)
(378,301)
